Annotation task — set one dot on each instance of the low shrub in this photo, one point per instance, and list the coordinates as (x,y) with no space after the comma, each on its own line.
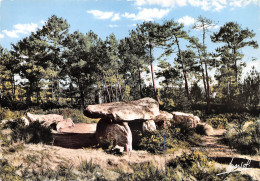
(143,171)
(6,114)
(8,171)
(62,172)
(86,166)
(244,137)
(34,133)
(5,139)
(196,166)
(175,137)
(193,166)
(220,121)
(90,171)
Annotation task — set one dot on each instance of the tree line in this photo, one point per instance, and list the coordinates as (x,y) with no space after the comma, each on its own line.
(59,68)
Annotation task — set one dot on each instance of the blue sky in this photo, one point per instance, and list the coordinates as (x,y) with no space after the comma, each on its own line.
(20,17)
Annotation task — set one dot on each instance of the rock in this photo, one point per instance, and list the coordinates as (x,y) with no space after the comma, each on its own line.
(206,129)
(80,128)
(149,126)
(55,121)
(67,123)
(74,140)
(185,118)
(116,133)
(4,121)
(163,116)
(142,109)
(26,121)
(47,119)
(163,120)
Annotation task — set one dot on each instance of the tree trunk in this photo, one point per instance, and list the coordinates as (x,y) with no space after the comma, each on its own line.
(108,94)
(208,88)
(118,84)
(183,70)
(186,81)
(140,83)
(153,80)
(81,90)
(112,93)
(14,87)
(29,94)
(206,69)
(236,69)
(37,92)
(203,74)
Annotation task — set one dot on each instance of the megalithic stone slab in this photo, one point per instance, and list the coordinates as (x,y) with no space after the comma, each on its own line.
(142,109)
(114,133)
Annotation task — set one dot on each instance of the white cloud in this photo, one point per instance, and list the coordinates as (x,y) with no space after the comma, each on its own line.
(2,36)
(214,5)
(163,3)
(187,20)
(21,29)
(11,34)
(100,14)
(240,3)
(206,5)
(42,22)
(132,25)
(116,17)
(146,14)
(128,15)
(113,26)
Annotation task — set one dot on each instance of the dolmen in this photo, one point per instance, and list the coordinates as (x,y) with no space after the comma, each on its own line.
(116,117)
(120,119)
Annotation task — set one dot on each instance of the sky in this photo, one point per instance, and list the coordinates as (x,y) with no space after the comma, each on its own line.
(18,18)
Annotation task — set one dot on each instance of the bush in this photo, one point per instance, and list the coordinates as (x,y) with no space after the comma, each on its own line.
(6,114)
(193,166)
(196,166)
(90,171)
(62,172)
(220,121)
(34,133)
(177,136)
(244,137)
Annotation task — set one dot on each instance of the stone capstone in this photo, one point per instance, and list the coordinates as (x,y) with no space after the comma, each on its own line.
(142,109)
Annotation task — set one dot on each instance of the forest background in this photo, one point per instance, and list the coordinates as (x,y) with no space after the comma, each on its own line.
(54,67)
